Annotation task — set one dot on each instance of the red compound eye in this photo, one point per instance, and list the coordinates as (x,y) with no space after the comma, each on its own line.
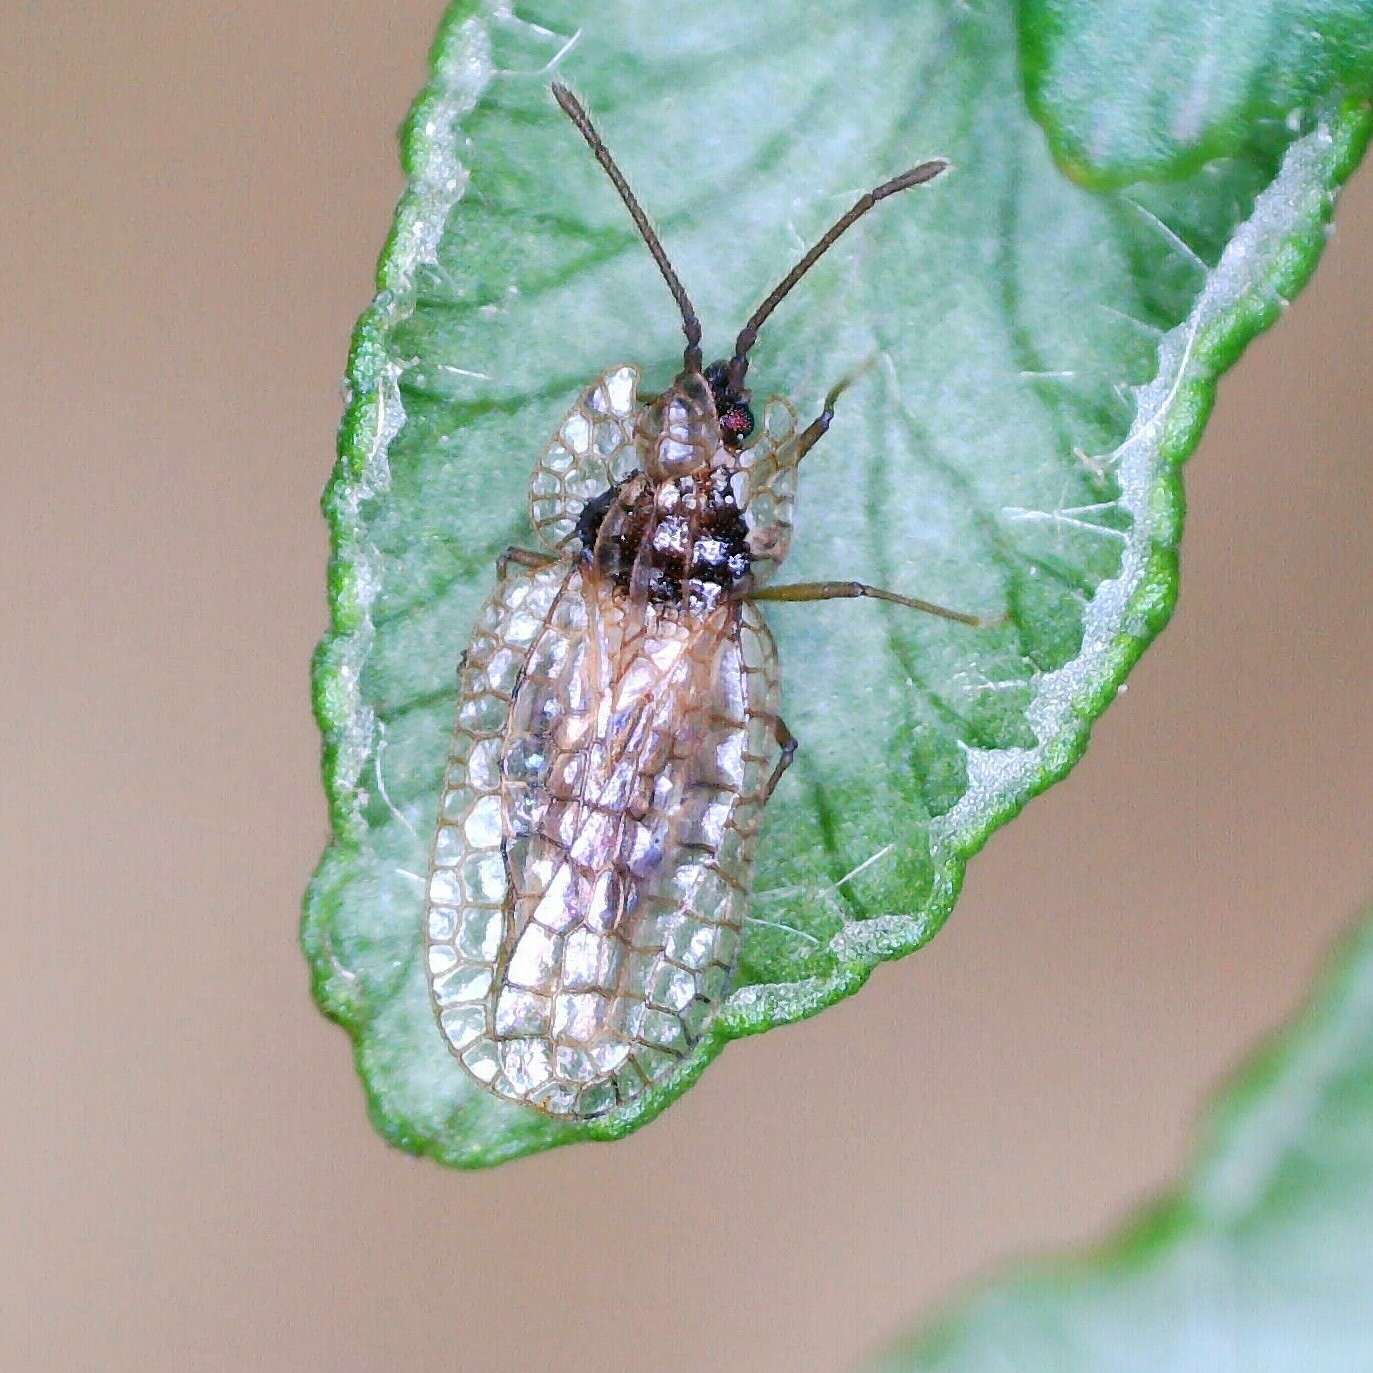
(736,424)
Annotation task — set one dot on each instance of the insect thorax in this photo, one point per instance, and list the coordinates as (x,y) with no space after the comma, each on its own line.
(682,542)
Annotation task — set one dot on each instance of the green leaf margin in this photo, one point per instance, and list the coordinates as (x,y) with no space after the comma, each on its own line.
(1102,100)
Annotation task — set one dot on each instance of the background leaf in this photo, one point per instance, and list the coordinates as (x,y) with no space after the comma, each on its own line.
(1046,359)
(1262,1260)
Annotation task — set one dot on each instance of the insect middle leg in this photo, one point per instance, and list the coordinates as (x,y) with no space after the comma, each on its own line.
(522,557)
(844,591)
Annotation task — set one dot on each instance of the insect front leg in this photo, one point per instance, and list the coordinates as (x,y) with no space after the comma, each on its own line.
(844,591)
(522,557)
(819,426)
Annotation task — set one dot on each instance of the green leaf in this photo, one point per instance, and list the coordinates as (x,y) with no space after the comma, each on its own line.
(1263,1258)
(1045,359)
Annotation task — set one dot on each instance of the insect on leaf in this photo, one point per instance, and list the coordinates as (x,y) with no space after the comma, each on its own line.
(1034,360)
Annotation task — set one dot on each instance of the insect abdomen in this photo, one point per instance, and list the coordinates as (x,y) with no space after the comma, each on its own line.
(627,776)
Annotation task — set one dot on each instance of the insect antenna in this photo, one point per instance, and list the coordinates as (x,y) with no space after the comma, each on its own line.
(748,335)
(691,326)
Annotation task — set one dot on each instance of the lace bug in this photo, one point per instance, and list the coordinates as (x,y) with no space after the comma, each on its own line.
(618,731)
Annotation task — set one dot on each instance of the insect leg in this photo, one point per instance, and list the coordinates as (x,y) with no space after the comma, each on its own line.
(841,591)
(522,557)
(819,426)
(787,742)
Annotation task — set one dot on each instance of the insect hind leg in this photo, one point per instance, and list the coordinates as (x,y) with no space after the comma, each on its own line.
(788,743)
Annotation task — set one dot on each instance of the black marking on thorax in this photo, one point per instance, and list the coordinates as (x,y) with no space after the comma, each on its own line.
(688,537)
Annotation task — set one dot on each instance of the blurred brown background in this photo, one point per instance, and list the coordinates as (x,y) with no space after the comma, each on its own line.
(193,198)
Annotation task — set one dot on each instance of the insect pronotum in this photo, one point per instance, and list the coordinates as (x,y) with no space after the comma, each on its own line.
(618,729)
